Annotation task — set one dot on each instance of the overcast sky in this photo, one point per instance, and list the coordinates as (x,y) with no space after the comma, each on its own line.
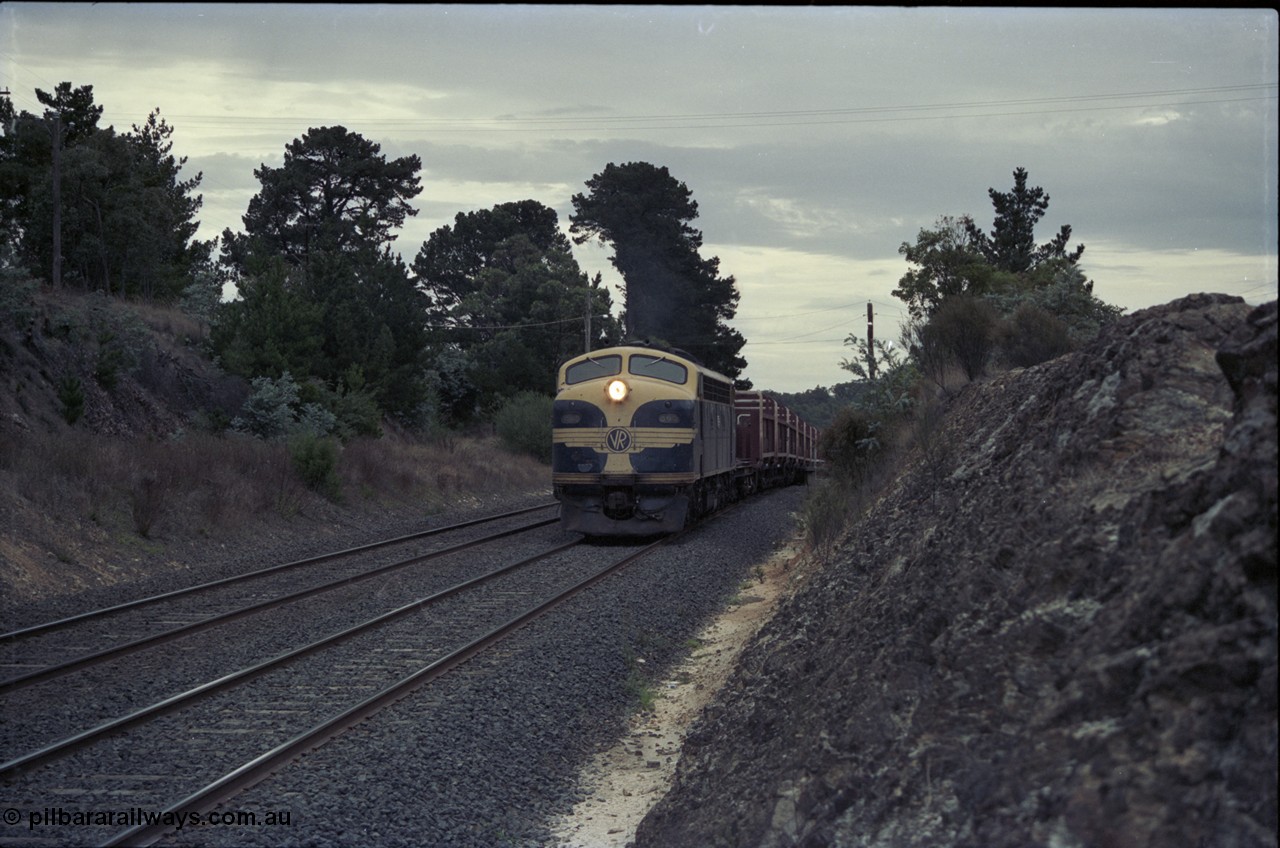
(815,140)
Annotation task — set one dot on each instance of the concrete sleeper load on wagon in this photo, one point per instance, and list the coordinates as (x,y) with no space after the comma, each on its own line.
(646,439)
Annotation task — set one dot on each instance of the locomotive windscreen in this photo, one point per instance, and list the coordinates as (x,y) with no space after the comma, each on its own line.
(594,368)
(643,365)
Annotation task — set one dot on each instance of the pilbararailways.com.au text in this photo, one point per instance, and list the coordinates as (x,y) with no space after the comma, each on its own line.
(137,816)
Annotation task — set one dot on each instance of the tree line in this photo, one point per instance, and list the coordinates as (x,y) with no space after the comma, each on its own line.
(975,299)
(326,314)
(974,296)
(100,209)
(329,317)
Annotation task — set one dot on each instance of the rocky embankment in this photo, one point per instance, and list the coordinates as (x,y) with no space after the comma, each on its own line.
(1056,628)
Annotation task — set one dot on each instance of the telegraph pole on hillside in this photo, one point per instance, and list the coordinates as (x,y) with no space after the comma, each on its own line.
(871,343)
(57,200)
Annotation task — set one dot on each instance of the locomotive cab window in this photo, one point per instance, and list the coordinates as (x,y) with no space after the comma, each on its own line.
(660,368)
(593,369)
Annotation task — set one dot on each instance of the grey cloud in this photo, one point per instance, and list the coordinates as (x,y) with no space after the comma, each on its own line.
(225,172)
(883,118)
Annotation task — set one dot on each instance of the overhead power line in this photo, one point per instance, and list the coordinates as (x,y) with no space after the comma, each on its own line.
(729,120)
(752,342)
(857,304)
(478,328)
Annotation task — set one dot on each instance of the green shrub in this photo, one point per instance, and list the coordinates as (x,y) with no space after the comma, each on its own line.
(966,328)
(354,409)
(315,458)
(111,358)
(147,497)
(358,414)
(524,425)
(850,443)
(1063,292)
(826,513)
(1031,335)
(887,396)
(17,298)
(71,394)
(927,353)
(928,436)
(316,419)
(268,411)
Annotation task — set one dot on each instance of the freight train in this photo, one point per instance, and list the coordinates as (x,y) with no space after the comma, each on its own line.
(646,439)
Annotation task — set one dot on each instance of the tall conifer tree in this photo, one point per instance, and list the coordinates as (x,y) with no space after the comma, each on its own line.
(671,293)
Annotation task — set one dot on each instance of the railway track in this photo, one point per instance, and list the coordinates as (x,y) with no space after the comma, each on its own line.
(26,650)
(56,624)
(220,636)
(239,726)
(226,786)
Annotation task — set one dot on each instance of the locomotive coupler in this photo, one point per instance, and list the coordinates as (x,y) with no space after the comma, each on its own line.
(618,505)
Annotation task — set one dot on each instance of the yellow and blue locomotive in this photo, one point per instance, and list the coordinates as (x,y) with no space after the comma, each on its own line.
(643,440)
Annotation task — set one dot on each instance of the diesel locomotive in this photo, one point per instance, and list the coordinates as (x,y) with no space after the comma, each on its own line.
(646,439)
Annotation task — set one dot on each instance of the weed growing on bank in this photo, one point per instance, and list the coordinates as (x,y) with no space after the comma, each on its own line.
(524,425)
(865,455)
(201,484)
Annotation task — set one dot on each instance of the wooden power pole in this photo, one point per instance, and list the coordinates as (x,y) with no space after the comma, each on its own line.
(871,343)
(57,200)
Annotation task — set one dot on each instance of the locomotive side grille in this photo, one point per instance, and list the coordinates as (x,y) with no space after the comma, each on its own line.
(716,391)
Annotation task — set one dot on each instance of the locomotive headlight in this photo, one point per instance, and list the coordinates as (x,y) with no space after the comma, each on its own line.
(616,390)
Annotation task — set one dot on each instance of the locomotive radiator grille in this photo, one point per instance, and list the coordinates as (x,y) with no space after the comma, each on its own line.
(635,440)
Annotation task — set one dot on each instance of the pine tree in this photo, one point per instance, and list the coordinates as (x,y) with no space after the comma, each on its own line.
(671,293)
(1011,245)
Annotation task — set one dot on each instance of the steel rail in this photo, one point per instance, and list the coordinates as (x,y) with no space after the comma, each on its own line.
(262,766)
(226,581)
(66,746)
(97,657)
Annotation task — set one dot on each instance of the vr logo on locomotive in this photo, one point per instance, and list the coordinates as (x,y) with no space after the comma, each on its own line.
(618,440)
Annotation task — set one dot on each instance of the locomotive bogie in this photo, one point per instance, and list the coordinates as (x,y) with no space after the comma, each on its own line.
(622,510)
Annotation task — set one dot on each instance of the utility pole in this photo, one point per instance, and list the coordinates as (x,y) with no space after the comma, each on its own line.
(57,200)
(871,344)
(9,124)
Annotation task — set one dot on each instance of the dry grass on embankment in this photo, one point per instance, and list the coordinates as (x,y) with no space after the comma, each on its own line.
(79,510)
